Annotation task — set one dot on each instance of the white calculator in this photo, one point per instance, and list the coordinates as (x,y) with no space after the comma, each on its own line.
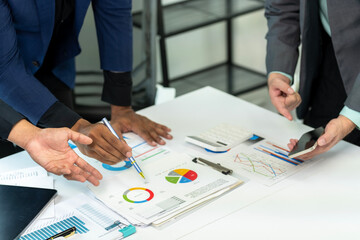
(220,138)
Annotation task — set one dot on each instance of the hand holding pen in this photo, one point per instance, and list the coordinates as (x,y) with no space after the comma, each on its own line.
(131,159)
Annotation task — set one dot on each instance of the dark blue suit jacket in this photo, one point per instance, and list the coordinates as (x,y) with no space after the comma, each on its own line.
(26,28)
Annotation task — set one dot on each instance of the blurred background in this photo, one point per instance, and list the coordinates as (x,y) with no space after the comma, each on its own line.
(184,45)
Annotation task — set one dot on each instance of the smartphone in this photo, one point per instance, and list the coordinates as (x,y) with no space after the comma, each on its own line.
(307,142)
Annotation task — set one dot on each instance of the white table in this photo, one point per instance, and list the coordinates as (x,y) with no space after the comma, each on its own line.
(321,202)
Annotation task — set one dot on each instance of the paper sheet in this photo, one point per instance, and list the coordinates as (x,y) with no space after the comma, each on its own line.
(92,220)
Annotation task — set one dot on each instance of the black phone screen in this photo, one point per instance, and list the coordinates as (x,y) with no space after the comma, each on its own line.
(307,140)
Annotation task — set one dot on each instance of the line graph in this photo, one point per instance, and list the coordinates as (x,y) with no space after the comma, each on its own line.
(265,162)
(253,163)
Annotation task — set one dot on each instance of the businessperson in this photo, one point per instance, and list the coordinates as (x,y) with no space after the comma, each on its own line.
(48,147)
(38,43)
(329,93)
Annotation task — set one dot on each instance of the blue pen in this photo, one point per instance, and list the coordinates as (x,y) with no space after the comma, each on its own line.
(131,159)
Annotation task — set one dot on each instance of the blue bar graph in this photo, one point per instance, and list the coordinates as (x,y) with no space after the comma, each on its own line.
(57,227)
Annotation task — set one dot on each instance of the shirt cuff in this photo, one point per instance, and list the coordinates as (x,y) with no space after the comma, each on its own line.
(353,115)
(58,115)
(117,88)
(286,75)
(8,120)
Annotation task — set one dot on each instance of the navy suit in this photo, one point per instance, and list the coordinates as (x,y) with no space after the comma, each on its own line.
(26,27)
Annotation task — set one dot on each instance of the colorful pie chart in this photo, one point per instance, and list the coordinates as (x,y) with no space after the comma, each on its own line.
(138,195)
(181,176)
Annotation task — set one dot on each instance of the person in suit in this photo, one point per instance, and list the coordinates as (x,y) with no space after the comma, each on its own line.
(48,147)
(329,93)
(38,43)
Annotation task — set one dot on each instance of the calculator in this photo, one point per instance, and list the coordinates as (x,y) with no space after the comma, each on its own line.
(220,138)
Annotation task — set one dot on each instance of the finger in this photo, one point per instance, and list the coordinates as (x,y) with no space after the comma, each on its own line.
(93,180)
(327,137)
(154,135)
(93,154)
(163,131)
(290,146)
(147,137)
(106,156)
(81,163)
(115,146)
(282,86)
(75,177)
(79,173)
(79,137)
(285,112)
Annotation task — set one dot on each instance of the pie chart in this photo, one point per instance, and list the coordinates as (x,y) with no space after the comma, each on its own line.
(181,176)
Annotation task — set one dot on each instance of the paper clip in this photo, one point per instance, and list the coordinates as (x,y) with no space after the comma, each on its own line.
(216,166)
(127,231)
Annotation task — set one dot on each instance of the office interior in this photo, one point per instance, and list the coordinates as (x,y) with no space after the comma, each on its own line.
(200,49)
(200,43)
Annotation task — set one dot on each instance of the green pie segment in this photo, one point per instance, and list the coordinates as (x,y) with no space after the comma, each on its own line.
(181,176)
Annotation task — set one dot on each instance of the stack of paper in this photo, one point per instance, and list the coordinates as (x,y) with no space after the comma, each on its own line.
(174,185)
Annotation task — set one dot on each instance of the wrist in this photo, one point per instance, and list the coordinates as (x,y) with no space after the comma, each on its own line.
(116,110)
(276,75)
(80,124)
(347,124)
(23,133)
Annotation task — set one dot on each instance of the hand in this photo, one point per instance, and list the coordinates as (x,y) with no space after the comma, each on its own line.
(282,96)
(50,149)
(335,131)
(105,146)
(124,119)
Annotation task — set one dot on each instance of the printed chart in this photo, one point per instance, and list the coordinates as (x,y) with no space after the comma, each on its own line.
(265,161)
(91,219)
(141,152)
(181,176)
(57,227)
(138,195)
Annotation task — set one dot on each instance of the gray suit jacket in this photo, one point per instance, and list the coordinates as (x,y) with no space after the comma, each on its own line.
(292,22)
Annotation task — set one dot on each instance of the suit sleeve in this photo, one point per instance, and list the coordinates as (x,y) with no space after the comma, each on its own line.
(114,31)
(18,87)
(283,36)
(8,118)
(353,99)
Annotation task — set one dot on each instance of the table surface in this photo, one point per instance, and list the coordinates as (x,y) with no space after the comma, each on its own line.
(320,202)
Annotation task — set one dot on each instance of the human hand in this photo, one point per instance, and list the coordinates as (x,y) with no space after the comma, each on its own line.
(105,146)
(124,119)
(335,131)
(50,149)
(282,96)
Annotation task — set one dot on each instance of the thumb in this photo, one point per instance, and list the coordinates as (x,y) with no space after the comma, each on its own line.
(327,137)
(283,86)
(79,137)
